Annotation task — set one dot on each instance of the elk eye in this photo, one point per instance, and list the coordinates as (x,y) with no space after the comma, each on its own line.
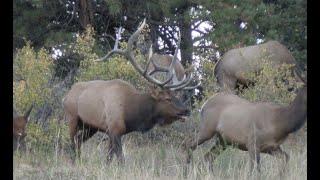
(168,99)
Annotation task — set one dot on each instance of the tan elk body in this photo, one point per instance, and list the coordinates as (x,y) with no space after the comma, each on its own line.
(235,63)
(253,127)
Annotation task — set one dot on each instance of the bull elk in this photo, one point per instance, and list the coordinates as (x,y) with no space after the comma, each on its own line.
(117,108)
(231,68)
(19,126)
(253,127)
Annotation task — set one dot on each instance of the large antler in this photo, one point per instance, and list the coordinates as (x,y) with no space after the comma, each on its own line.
(128,53)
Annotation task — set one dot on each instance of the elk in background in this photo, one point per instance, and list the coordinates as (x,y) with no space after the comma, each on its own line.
(231,68)
(117,108)
(253,127)
(19,129)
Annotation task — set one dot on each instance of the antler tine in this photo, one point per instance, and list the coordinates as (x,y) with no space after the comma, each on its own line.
(156,66)
(186,80)
(183,87)
(170,70)
(175,56)
(149,59)
(135,35)
(115,48)
(186,86)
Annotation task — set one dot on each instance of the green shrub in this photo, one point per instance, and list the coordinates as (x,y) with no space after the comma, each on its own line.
(116,67)
(31,72)
(48,139)
(272,84)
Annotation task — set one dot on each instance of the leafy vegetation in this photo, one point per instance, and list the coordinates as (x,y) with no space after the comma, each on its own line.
(31,74)
(155,154)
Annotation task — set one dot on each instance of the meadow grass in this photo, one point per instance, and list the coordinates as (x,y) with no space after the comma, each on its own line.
(157,155)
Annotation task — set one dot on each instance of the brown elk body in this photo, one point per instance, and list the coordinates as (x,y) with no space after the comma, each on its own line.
(19,126)
(231,68)
(117,108)
(253,127)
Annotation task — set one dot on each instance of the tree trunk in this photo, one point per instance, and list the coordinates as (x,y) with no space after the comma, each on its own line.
(85,13)
(186,39)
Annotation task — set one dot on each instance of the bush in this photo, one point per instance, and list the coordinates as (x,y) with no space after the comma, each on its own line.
(116,67)
(272,84)
(49,139)
(31,72)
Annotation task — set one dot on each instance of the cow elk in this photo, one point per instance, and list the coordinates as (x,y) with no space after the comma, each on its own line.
(117,108)
(253,127)
(19,128)
(232,67)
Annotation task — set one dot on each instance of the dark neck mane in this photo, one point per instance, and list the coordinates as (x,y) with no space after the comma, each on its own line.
(141,115)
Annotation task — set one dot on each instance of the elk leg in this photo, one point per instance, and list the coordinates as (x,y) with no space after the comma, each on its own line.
(111,148)
(201,138)
(118,149)
(253,147)
(278,152)
(84,133)
(215,151)
(192,146)
(73,129)
(254,157)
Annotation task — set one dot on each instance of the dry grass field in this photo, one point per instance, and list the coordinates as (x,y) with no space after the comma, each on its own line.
(157,155)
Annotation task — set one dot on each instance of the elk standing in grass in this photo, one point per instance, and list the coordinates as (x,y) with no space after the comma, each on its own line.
(19,128)
(235,63)
(117,108)
(253,127)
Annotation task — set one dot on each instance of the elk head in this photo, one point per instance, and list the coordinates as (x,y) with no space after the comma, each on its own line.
(169,106)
